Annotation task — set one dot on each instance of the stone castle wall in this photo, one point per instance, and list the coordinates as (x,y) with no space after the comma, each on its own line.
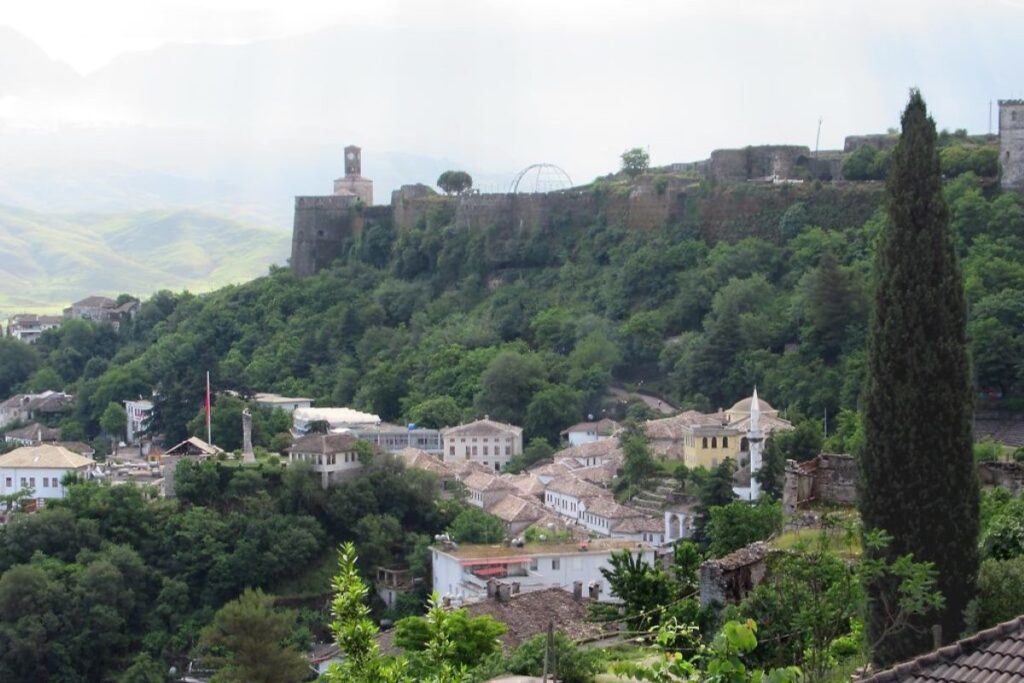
(323,227)
(1011,143)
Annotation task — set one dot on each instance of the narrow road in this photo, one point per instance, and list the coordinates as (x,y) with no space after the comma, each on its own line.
(657,404)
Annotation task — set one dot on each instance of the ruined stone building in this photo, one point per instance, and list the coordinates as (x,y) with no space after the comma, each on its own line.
(1011,143)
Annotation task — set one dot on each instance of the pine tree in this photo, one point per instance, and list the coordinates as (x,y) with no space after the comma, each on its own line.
(917,475)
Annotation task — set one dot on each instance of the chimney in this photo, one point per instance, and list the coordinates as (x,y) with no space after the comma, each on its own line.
(492,587)
(504,592)
(595,590)
(577,590)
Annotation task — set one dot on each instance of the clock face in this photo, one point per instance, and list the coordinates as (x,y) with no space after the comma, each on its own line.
(350,156)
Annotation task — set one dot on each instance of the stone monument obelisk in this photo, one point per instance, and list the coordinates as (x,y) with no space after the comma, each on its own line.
(247,453)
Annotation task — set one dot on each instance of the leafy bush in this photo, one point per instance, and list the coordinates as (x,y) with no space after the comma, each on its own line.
(573,664)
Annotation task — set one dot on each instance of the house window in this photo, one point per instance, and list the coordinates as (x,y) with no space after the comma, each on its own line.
(725,442)
(556,563)
(533,564)
(714,442)
(497,467)
(23,482)
(508,450)
(485,452)
(32,482)
(10,482)
(704,442)
(474,450)
(46,482)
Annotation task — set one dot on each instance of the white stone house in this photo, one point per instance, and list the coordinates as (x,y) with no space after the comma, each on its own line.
(590,432)
(486,490)
(461,573)
(486,441)
(337,419)
(332,456)
(138,413)
(40,468)
(288,404)
(28,327)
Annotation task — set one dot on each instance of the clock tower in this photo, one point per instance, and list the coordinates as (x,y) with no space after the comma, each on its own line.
(353,164)
(353,184)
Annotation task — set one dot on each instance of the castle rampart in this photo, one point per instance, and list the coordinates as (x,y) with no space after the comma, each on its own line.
(1011,143)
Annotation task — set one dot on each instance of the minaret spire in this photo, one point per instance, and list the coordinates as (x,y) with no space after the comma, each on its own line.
(755,439)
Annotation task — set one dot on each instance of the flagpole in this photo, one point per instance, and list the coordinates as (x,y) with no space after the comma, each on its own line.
(209,438)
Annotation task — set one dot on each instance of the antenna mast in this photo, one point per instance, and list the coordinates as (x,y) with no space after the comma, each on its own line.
(817,139)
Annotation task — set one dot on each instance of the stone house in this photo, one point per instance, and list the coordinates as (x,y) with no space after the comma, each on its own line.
(32,435)
(332,456)
(486,490)
(730,579)
(28,327)
(28,407)
(486,441)
(590,432)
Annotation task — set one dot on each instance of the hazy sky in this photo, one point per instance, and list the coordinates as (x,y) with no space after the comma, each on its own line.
(497,85)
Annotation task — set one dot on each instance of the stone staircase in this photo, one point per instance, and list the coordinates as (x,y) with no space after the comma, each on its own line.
(658,494)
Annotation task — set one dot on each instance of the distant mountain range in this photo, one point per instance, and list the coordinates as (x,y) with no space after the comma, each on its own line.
(50,260)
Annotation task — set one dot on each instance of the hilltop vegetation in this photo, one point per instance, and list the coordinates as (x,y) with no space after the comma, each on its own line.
(51,260)
(439,324)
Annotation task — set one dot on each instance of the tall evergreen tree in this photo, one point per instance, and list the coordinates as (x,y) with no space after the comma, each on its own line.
(918,479)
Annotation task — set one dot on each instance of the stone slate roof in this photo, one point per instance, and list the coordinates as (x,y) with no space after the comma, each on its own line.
(95,302)
(481,481)
(419,459)
(640,524)
(323,443)
(526,484)
(46,402)
(995,655)
(603,427)
(35,432)
(513,508)
(577,488)
(605,448)
(484,427)
(192,446)
(45,456)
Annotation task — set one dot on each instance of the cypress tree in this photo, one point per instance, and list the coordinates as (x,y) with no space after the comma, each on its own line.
(918,481)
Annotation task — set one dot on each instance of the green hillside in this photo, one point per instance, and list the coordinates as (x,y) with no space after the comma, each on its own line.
(50,260)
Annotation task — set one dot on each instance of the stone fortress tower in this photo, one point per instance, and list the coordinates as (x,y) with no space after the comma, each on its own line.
(326,225)
(1011,143)
(353,183)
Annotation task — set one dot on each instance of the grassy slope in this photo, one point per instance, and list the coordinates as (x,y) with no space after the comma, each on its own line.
(48,261)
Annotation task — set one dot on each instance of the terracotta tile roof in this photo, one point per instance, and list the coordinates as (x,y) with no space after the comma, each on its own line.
(323,443)
(598,474)
(607,507)
(484,427)
(676,426)
(514,508)
(464,468)
(552,469)
(995,655)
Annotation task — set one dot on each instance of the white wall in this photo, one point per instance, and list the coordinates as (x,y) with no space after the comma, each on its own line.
(577,438)
(53,477)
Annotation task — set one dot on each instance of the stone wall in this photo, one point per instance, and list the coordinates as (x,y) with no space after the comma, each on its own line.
(880,141)
(827,479)
(1009,475)
(1011,143)
(762,161)
(323,228)
(730,579)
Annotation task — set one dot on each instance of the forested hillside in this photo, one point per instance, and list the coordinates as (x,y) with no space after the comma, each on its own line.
(439,324)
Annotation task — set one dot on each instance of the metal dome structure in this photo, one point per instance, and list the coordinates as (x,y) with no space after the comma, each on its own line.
(540,178)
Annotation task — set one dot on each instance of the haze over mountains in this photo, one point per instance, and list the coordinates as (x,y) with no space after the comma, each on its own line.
(235,131)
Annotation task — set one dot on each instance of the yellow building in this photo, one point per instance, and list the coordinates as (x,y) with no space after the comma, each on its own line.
(706,439)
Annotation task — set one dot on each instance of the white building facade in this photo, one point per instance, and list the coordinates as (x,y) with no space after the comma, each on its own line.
(462,573)
(486,441)
(40,468)
(138,413)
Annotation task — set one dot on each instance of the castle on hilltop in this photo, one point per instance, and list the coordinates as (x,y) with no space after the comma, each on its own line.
(326,226)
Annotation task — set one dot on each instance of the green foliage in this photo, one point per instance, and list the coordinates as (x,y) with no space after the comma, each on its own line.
(473,638)
(114,420)
(715,491)
(18,361)
(1000,592)
(568,661)
(536,450)
(918,479)
(436,413)
(739,524)
(721,661)
(473,525)
(638,464)
(454,182)
(959,159)
(245,642)
(866,163)
(635,161)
